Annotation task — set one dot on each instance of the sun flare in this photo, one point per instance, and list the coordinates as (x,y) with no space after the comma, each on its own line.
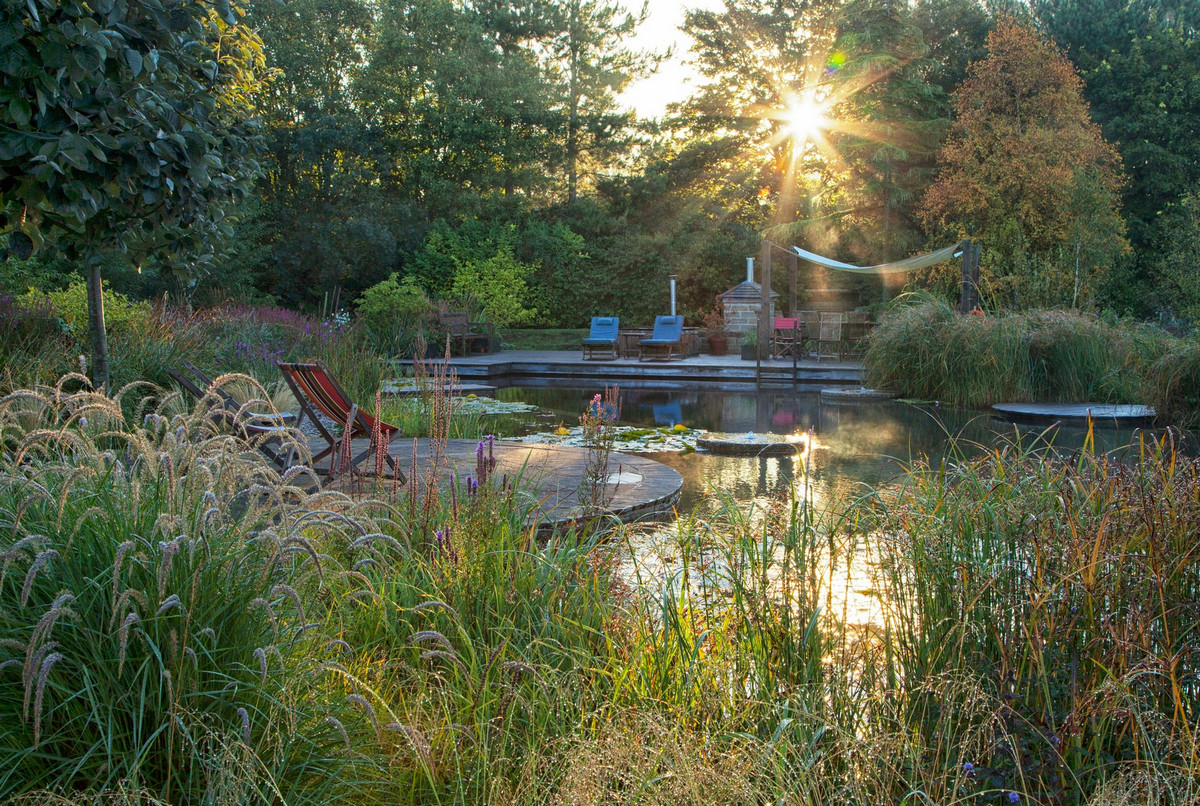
(806,118)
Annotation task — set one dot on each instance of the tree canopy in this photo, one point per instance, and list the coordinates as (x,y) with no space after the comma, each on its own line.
(125,127)
(440,141)
(1026,171)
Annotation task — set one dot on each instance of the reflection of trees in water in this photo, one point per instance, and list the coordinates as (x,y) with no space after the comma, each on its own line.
(859,442)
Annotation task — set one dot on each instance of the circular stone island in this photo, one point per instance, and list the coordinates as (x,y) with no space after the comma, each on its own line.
(1049,412)
(854,394)
(751,444)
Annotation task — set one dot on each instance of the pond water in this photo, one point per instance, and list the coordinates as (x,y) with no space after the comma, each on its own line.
(856,444)
(852,448)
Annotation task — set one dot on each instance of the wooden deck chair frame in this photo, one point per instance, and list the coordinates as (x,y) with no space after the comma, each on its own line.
(263,430)
(787,336)
(832,332)
(316,390)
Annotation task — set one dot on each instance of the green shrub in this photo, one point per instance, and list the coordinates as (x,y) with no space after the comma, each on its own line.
(395,313)
(122,316)
(499,284)
(924,349)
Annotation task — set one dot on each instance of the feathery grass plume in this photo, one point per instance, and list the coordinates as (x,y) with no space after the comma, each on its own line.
(34,656)
(288,592)
(43,676)
(173,466)
(261,655)
(341,729)
(41,560)
(361,702)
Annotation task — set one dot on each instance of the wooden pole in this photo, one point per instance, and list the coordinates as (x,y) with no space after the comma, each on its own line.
(793,268)
(964,298)
(764,316)
(976,257)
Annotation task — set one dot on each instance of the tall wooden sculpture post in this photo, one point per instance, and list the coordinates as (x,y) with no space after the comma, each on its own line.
(764,316)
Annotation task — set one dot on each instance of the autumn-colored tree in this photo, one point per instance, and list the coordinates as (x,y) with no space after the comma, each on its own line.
(1027,172)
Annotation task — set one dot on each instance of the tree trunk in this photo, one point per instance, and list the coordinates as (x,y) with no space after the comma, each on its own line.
(96,327)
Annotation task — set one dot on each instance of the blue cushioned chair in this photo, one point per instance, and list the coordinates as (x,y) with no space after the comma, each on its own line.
(667,337)
(603,336)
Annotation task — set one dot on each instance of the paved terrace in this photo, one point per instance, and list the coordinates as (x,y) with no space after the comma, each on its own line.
(551,475)
(551,364)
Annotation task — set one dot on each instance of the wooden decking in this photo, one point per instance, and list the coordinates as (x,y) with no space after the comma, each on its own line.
(563,364)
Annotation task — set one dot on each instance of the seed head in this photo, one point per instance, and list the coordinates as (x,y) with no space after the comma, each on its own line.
(47,664)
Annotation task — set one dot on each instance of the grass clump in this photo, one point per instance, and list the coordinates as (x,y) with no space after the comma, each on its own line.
(924,349)
(1009,626)
(152,633)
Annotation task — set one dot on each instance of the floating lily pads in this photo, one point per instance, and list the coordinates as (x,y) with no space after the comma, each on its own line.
(626,439)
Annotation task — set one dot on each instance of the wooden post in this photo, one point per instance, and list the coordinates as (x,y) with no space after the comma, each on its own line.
(976,257)
(764,316)
(793,268)
(964,298)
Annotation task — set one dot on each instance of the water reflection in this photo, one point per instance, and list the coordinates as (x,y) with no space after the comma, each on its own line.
(855,448)
(860,444)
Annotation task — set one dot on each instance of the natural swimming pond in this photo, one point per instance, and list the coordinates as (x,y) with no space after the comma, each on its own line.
(848,450)
(855,443)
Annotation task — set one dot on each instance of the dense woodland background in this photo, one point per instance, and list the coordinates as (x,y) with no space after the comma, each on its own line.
(478,149)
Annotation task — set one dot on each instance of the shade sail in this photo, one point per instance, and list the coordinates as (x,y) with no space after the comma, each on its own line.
(908,264)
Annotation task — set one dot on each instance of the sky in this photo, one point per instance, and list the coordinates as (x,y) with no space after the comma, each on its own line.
(650,96)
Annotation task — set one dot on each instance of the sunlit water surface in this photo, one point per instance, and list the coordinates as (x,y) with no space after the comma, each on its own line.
(855,448)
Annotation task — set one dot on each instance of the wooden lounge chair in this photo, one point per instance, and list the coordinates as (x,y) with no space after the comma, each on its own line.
(830,335)
(317,391)
(604,335)
(787,336)
(466,336)
(667,336)
(269,433)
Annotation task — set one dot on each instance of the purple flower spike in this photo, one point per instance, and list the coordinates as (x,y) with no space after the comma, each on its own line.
(968,768)
(1013,797)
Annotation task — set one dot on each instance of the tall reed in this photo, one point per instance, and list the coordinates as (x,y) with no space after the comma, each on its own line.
(924,349)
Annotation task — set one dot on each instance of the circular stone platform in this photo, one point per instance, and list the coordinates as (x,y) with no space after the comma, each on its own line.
(748,444)
(1046,412)
(551,476)
(854,395)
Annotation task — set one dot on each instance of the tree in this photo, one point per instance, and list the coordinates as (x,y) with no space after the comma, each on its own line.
(593,67)
(1026,171)
(890,123)
(123,128)
(1140,62)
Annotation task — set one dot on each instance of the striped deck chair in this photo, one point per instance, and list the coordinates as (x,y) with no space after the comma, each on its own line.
(317,391)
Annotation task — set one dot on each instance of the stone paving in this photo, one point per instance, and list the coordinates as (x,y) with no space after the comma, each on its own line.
(551,475)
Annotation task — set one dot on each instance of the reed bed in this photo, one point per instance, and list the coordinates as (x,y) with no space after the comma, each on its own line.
(178,623)
(926,350)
